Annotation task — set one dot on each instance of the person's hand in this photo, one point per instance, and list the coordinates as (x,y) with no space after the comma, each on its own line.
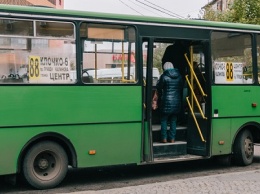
(154,105)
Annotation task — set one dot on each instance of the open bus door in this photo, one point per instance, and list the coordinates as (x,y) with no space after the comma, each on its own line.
(196,100)
(192,134)
(147,51)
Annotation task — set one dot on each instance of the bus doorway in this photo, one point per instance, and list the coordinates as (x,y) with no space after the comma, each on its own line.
(192,126)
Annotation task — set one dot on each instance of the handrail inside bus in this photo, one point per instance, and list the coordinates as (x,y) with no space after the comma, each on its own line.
(196,122)
(249,74)
(123,62)
(123,80)
(195,76)
(195,98)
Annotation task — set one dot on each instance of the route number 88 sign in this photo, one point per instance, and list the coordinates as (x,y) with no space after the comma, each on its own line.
(34,67)
(229,72)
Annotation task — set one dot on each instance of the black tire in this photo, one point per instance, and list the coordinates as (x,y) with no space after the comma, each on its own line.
(244,148)
(45,165)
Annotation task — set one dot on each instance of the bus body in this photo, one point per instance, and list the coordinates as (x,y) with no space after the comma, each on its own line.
(55,114)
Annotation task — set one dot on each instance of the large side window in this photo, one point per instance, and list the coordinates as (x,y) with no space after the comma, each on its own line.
(37,52)
(108,54)
(232,58)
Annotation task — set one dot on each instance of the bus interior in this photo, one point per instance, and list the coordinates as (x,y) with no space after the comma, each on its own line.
(191,133)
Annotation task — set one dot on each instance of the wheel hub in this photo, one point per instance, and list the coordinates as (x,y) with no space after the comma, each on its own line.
(248,147)
(43,163)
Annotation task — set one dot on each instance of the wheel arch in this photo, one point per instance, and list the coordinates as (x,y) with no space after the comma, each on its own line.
(51,136)
(253,127)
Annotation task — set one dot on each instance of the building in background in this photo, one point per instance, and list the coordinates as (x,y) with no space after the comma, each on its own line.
(58,4)
(220,5)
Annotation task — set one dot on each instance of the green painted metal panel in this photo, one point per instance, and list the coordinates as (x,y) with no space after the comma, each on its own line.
(113,143)
(118,143)
(12,141)
(226,129)
(221,129)
(234,108)
(234,101)
(69,105)
(107,119)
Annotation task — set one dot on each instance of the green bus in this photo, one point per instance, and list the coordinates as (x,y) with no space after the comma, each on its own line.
(55,114)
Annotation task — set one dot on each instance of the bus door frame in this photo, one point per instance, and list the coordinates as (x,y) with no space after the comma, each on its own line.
(147,99)
(195,144)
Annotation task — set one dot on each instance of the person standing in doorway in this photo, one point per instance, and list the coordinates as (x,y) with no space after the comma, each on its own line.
(175,54)
(169,88)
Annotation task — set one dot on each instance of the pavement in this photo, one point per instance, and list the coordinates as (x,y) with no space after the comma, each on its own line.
(247,182)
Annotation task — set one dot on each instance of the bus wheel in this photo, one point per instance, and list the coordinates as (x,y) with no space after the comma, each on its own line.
(45,165)
(244,148)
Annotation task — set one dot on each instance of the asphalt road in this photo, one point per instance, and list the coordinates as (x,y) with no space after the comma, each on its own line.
(124,176)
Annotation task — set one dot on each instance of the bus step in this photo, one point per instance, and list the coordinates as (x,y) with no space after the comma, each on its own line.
(169,149)
(181,133)
(186,157)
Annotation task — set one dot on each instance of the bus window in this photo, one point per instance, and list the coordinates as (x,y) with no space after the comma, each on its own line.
(108,54)
(36,59)
(16,27)
(232,58)
(54,29)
